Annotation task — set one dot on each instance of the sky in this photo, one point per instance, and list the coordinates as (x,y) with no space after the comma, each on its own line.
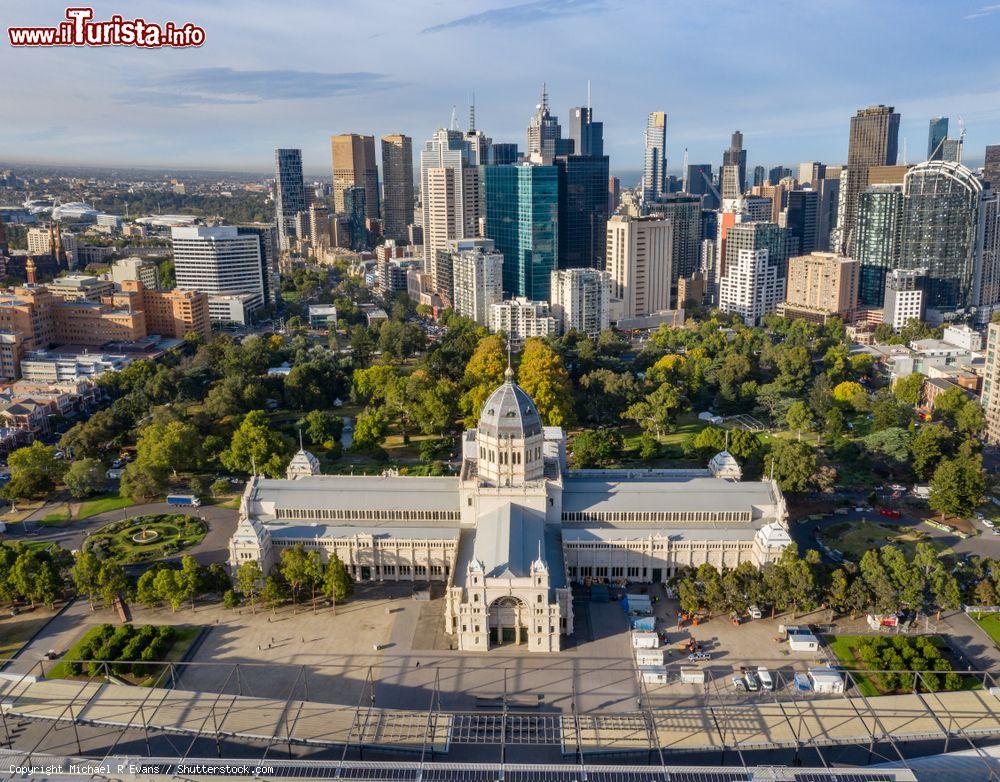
(788,73)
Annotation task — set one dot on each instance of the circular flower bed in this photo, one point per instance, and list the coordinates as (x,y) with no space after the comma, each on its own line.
(146,538)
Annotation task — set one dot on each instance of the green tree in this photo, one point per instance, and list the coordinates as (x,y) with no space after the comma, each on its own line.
(799,418)
(370,428)
(274,593)
(146,591)
(958,485)
(141,483)
(85,477)
(929,445)
(544,378)
(168,447)
(84,573)
(595,448)
(833,422)
(909,390)
(850,394)
(322,427)
(794,464)
(255,444)
(657,411)
(34,471)
(892,443)
(337,582)
(483,373)
(189,579)
(220,487)
(167,585)
(111,581)
(294,568)
(248,580)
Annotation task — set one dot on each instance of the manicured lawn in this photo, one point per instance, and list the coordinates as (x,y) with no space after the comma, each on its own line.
(163,535)
(854,538)
(103,504)
(184,637)
(16,630)
(991,624)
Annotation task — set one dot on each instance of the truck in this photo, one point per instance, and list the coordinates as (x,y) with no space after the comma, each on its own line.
(765,678)
(183,500)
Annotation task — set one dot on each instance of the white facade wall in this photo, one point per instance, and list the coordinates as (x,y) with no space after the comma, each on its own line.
(751,287)
(581,300)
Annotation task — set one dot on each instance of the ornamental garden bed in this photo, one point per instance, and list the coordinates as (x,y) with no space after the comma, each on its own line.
(146,538)
(136,655)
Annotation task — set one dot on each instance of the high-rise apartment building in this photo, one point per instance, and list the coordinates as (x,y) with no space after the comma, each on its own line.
(904,297)
(581,300)
(802,218)
(750,286)
(654,174)
(873,142)
(991,167)
(397,183)
(289,193)
(759,236)
(522,218)
(520,318)
(991,385)
(583,194)
(735,156)
(449,193)
(477,273)
(222,263)
(876,245)
(639,259)
(267,238)
(810,172)
(354,166)
(949,228)
(828,191)
(937,132)
(684,213)
(821,284)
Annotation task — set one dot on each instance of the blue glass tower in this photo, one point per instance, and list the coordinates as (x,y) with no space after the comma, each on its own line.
(522,218)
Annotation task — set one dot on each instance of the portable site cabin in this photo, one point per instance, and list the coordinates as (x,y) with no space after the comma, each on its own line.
(649,657)
(642,639)
(639,604)
(653,674)
(647,623)
(801,682)
(693,675)
(826,680)
(802,640)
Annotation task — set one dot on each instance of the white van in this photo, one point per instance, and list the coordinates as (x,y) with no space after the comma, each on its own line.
(765,678)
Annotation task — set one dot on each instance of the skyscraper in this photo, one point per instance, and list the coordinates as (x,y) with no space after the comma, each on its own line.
(503,154)
(545,139)
(991,167)
(268,239)
(759,236)
(801,218)
(943,230)
(684,213)
(991,385)
(654,175)
(477,273)
(354,166)
(289,193)
(580,300)
(397,181)
(699,182)
(936,134)
(355,207)
(876,246)
(735,156)
(522,218)
(873,142)
(750,287)
(449,188)
(224,264)
(639,259)
(583,194)
(759,175)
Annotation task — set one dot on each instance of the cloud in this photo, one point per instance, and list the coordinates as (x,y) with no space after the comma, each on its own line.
(525,13)
(232,86)
(986,10)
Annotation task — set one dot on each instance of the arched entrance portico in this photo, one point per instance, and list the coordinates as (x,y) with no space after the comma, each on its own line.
(507,621)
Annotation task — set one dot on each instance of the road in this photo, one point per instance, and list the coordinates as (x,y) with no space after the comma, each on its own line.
(213,548)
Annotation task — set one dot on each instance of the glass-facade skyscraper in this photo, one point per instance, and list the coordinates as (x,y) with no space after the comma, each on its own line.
(876,245)
(583,194)
(289,193)
(936,135)
(522,219)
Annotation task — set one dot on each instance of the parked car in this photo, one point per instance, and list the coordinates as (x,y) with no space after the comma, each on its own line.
(699,656)
(890,513)
(740,684)
(750,676)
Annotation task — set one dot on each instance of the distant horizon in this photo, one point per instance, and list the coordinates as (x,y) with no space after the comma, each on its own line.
(265,78)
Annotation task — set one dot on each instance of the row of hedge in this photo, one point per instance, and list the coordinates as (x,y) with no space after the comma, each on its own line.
(899,656)
(127,649)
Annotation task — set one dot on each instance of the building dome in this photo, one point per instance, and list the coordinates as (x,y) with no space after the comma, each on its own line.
(724,465)
(509,412)
(302,465)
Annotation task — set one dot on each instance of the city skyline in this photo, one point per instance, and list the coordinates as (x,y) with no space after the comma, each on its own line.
(228,104)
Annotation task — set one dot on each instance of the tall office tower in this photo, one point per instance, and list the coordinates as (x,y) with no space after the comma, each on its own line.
(684,213)
(944,230)
(811,171)
(709,270)
(828,191)
(354,166)
(545,139)
(289,192)
(991,167)
(522,218)
(480,145)
(222,263)
(520,318)
(729,185)
(986,274)
(397,184)
(904,297)
(319,224)
(759,236)
(583,194)
(654,172)
(751,287)
(503,154)
(990,399)
(759,175)
(581,300)
(477,272)
(802,217)
(355,206)
(876,246)
(936,135)
(267,237)
(699,182)
(736,156)
(951,150)
(449,193)
(614,194)
(823,283)
(776,174)
(873,142)
(639,256)
(758,208)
